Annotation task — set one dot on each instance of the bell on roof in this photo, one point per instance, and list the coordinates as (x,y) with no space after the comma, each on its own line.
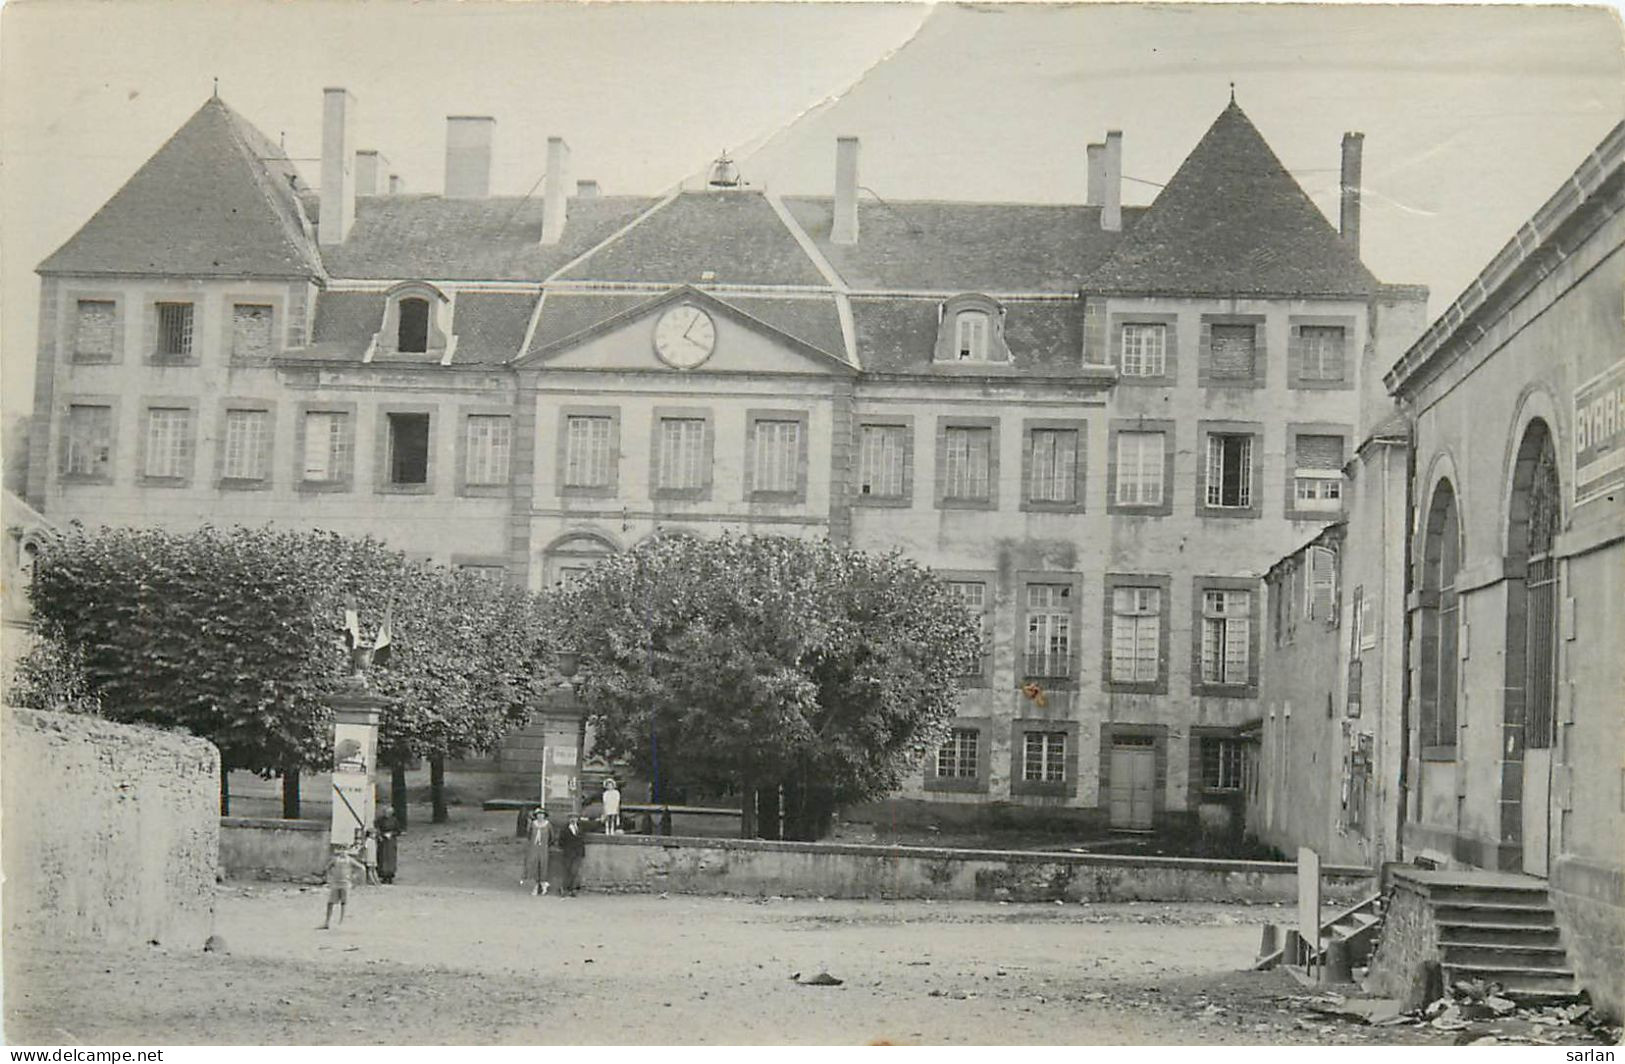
(724,174)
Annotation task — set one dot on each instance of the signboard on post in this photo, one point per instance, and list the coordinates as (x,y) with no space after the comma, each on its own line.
(1308,901)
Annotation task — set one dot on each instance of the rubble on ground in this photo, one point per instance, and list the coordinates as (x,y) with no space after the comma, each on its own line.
(1478,1012)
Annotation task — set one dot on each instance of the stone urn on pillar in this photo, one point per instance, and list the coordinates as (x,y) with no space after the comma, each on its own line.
(356,711)
(564,731)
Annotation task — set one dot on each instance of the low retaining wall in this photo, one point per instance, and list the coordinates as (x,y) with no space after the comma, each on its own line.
(841,870)
(1589,898)
(111,832)
(263,848)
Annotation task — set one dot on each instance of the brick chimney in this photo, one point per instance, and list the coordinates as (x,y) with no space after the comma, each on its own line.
(844,230)
(338,180)
(586,190)
(468,155)
(371,169)
(1348,220)
(1111,199)
(1095,193)
(555,197)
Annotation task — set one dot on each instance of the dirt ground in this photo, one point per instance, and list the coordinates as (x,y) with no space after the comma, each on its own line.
(457,952)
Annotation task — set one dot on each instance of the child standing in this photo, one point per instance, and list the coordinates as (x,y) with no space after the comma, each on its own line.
(612,808)
(341,872)
(369,850)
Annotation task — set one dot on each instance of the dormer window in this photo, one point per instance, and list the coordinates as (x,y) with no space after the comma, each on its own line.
(412,335)
(417,324)
(970,329)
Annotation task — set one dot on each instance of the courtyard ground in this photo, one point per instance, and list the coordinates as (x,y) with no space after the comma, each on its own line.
(457,952)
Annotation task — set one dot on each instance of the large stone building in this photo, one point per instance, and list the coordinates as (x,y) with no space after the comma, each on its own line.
(1472,677)
(1102,423)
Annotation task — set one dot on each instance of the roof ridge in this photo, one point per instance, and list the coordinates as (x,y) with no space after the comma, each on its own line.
(239,128)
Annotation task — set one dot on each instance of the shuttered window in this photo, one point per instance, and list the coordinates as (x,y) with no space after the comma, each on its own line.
(1140,468)
(1318,478)
(1320,353)
(777,456)
(586,451)
(1052,465)
(488,446)
(1229,470)
(328,446)
(1233,351)
(966,454)
(247,432)
(1320,591)
(682,453)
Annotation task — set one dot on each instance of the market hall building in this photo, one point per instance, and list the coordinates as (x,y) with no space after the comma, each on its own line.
(1100,422)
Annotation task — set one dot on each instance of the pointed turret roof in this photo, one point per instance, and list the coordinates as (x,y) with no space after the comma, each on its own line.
(219,199)
(1233,222)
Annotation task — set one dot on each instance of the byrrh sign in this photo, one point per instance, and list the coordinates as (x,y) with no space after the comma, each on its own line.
(1599,433)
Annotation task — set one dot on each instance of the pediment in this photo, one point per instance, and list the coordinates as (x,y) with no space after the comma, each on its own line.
(686,330)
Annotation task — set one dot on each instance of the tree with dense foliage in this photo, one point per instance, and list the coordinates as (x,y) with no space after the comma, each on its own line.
(767,663)
(234,635)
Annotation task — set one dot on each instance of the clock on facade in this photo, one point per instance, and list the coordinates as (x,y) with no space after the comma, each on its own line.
(685,336)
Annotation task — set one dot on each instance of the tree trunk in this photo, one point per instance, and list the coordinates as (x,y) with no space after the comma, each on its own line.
(225,791)
(397,791)
(808,811)
(437,788)
(290,794)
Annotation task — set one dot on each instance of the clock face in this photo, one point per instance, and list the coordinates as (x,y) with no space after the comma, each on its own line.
(685,336)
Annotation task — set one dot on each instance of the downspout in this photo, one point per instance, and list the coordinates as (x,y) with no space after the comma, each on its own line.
(1405,644)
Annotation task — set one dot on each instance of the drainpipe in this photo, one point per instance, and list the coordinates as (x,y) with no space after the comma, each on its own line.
(1405,644)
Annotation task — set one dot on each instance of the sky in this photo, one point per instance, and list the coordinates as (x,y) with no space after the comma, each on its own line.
(1472,115)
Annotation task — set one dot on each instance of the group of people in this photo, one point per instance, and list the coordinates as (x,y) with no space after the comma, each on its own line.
(539,840)
(373,856)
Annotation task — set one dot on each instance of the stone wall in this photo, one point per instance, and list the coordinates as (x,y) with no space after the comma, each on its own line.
(835,870)
(1589,899)
(263,848)
(1409,939)
(110,832)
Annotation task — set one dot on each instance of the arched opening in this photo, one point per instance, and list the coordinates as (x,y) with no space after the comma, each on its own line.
(1441,649)
(412,335)
(1529,706)
(570,558)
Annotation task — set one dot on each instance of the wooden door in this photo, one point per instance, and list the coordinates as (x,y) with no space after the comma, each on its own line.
(1133,782)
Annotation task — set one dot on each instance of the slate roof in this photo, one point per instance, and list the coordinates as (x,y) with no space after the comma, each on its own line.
(734,236)
(1232,221)
(218,199)
(813,320)
(964,247)
(498,238)
(900,334)
(490,326)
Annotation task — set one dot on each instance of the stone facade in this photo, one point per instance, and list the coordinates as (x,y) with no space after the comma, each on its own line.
(111,832)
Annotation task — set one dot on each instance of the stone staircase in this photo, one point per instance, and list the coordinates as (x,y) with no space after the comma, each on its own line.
(1495,928)
(1357,926)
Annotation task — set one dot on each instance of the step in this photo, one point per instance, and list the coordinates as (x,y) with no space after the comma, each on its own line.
(1497,955)
(1513,935)
(1504,893)
(1494,912)
(1511,977)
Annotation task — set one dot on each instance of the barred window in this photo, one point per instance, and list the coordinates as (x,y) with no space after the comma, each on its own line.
(881,454)
(1230,470)
(251,332)
(777,456)
(490,442)
(1233,349)
(1049,630)
(1140,468)
(682,454)
(1226,636)
(328,448)
(1320,352)
(967,452)
(587,458)
(88,449)
(1222,764)
(1144,350)
(1136,634)
(956,758)
(94,328)
(247,432)
(1053,468)
(169,441)
(1044,757)
(175,330)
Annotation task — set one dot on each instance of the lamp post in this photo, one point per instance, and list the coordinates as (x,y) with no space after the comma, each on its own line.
(564,731)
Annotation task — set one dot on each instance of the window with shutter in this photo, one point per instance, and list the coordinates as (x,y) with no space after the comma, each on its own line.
(1136,634)
(1318,477)
(1229,471)
(1232,351)
(327,446)
(1052,465)
(1226,637)
(966,453)
(881,454)
(1140,468)
(586,451)
(681,454)
(777,456)
(1320,353)
(487,448)
(247,432)
(1321,590)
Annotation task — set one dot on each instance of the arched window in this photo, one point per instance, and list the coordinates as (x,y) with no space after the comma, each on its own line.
(412,336)
(570,558)
(1441,647)
(1536,516)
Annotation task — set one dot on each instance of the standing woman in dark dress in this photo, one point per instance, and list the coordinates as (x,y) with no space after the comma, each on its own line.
(388,835)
